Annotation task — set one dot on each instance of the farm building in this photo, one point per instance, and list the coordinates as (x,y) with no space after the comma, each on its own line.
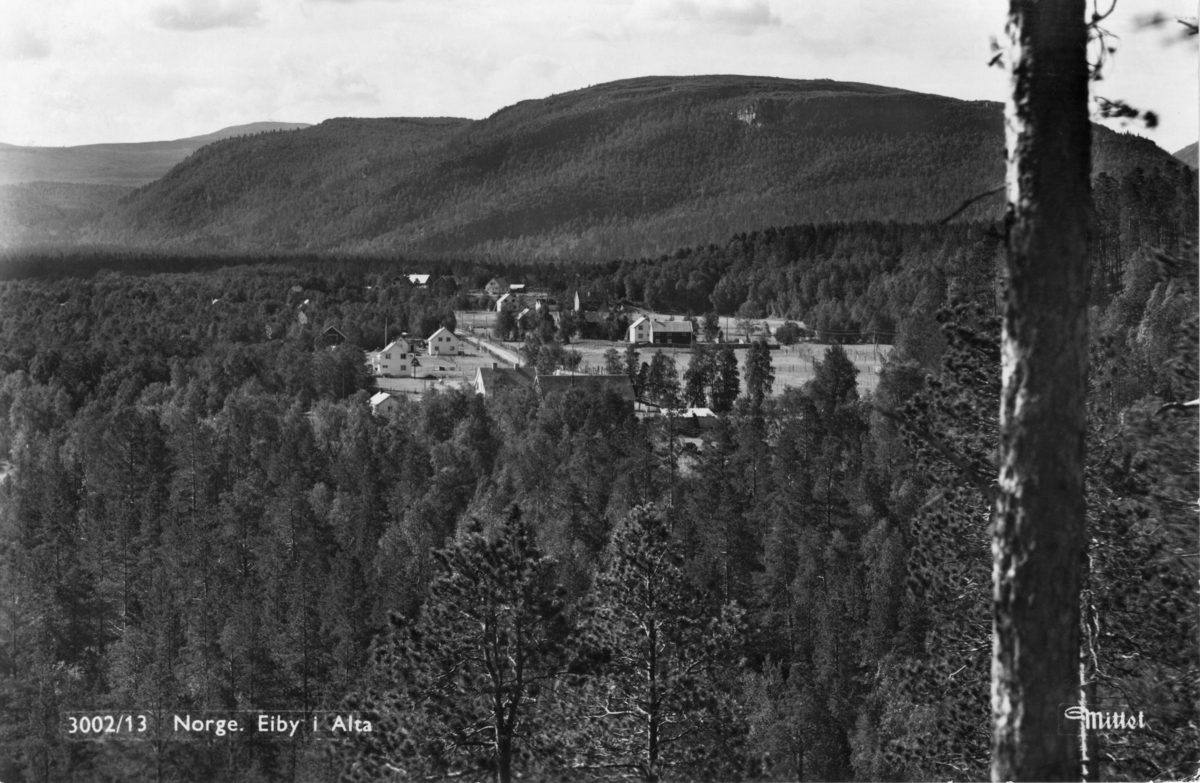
(497,286)
(587,302)
(509,302)
(652,330)
(384,403)
(490,380)
(446,285)
(333,335)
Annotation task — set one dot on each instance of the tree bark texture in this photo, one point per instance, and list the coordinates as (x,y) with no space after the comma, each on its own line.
(1039,533)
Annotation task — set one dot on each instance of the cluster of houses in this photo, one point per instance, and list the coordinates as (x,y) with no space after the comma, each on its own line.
(404,357)
(520,300)
(399,358)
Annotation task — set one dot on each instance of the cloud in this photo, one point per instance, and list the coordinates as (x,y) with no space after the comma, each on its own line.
(345,85)
(736,16)
(305,84)
(207,14)
(752,14)
(23,44)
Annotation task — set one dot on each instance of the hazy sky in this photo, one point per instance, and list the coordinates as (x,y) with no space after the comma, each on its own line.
(84,71)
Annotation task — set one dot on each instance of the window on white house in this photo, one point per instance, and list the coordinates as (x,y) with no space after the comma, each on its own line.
(387,356)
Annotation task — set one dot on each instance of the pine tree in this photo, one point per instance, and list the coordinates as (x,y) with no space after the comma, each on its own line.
(660,700)
(662,382)
(726,384)
(834,380)
(760,375)
(633,367)
(697,378)
(467,686)
(612,362)
(506,325)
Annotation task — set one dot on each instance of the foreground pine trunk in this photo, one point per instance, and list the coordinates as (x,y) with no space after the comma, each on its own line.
(1039,517)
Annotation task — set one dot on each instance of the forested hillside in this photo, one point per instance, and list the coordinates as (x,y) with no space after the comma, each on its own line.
(621,170)
(201,515)
(857,279)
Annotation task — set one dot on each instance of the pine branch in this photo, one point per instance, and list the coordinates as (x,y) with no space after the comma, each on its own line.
(963,206)
(983,483)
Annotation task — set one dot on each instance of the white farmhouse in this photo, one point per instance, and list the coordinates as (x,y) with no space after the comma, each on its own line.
(444,342)
(640,330)
(394,361)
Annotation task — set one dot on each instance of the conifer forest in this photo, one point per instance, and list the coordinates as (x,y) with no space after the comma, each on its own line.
(203,520)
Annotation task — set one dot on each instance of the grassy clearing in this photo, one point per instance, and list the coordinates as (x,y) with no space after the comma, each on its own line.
(793,365)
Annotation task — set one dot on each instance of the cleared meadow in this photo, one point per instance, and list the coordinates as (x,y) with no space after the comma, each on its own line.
(794,365)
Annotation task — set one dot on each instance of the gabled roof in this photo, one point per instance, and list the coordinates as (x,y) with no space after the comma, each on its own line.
(555,383)
(443,329)
(673,326)
(399,344)
(638,320)
(418,279)
(505,378)
(379,397)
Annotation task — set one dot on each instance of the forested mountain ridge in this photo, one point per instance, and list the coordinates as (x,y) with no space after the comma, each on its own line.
(626,169)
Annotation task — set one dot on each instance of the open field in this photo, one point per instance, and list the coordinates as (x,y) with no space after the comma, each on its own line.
(793,365)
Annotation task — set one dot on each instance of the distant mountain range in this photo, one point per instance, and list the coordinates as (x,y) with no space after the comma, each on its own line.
(1188,154)
(631,168)
(128,164)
